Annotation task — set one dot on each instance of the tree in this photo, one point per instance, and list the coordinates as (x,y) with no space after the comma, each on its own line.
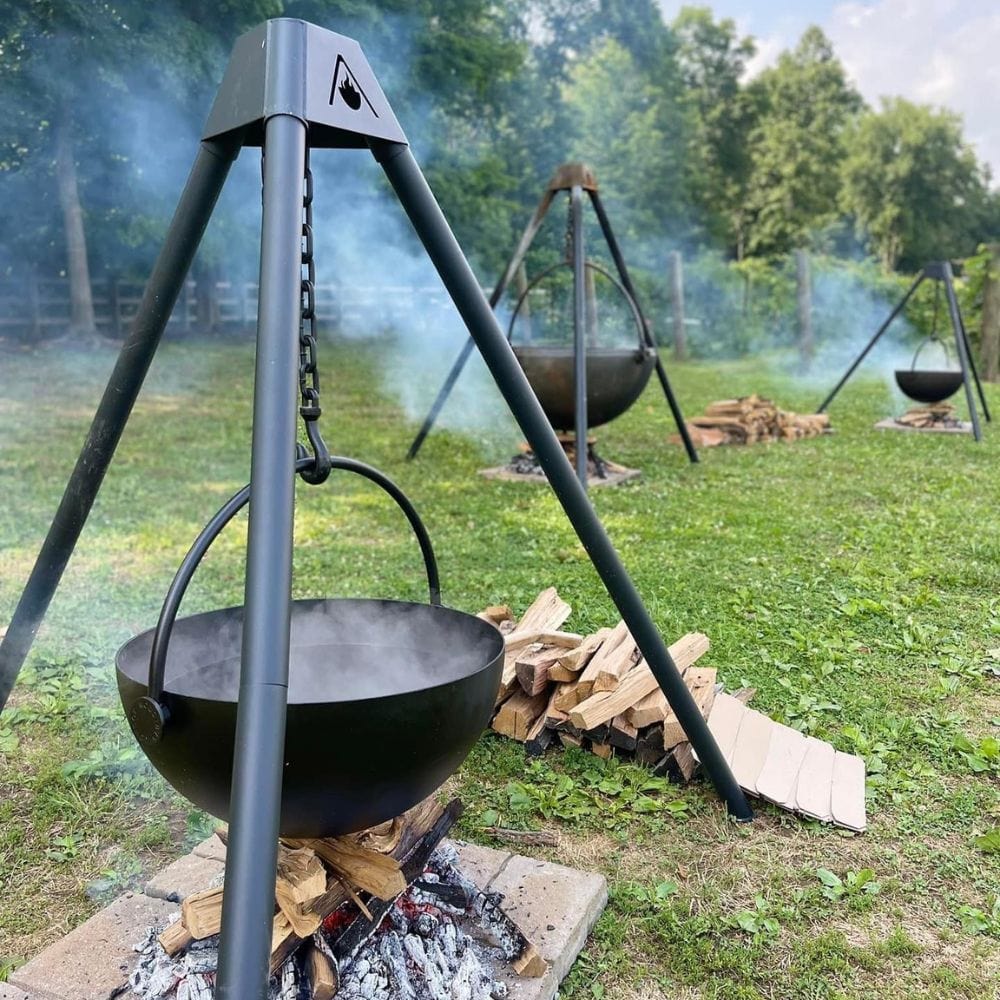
(797,146)
(913,185)
(713,60)
(71,74)
(632,132)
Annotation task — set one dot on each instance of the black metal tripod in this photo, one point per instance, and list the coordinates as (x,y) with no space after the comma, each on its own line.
(936,271)
(574,178)
(289,86)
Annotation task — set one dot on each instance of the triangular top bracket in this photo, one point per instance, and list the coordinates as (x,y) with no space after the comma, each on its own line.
(290,67)
(571,175)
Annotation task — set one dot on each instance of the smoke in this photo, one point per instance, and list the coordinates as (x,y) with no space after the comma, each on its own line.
(341,650)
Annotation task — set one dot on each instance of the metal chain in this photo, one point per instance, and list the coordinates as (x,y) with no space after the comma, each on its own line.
(310,409)
(569,231)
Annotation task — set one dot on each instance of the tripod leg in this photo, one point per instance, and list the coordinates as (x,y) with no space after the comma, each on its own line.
(190,218)
(961,345)
(661,372)
(579,336)
(972,366)
(871,343)
(255,803)
(505,279)
(432,228)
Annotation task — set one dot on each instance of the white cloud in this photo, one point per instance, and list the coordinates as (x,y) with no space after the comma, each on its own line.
(941,53)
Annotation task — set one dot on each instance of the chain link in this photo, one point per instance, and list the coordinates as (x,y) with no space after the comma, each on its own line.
(569,231)
(310,409)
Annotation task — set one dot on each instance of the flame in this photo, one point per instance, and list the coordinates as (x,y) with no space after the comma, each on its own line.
(350,94)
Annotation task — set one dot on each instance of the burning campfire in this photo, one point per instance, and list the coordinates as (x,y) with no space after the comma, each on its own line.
(936,417)
(525,467)
(386,913)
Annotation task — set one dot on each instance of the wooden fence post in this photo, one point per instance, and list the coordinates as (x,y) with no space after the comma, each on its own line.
(34,306)
(807,345)
(677,304)
(989,337)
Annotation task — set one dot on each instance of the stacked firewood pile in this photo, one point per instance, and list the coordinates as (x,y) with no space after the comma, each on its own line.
(594,691)
(368,915)
(750,419)
(937,415)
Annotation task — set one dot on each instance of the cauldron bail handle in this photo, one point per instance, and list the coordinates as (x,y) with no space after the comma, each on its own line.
(152,704)
(923,343)
(590,266)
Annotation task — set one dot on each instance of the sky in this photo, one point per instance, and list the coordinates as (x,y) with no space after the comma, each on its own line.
(941,52)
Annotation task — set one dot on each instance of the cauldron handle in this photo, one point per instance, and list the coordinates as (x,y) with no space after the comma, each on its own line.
(923,343)
(152,704)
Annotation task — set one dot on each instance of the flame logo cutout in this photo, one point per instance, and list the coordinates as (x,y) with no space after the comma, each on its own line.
(351,96)
(346,84)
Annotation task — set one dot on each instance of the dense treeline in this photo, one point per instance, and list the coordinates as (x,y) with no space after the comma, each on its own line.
(100,104)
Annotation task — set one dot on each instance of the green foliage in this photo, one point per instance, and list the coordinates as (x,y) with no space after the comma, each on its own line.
(853,887)
(913,184)
(797,145)
(608,792)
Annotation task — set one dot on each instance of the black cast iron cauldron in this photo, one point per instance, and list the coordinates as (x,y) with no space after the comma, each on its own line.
(616,376)
(926,385)
(385,698)
(615,380)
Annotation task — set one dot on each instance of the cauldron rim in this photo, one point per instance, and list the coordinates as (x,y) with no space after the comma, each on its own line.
(132,658)
(554,350)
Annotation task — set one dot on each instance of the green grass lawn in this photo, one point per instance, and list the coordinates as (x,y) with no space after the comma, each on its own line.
(853,580)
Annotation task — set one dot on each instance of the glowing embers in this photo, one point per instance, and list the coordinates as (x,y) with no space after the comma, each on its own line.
(435,935)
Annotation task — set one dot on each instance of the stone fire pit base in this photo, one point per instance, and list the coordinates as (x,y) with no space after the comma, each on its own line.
(556,908)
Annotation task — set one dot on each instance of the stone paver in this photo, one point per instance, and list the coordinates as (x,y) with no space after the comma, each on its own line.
(212,848)
(93,961)
(186,875)
(481,864)
(556,908)
(8,992)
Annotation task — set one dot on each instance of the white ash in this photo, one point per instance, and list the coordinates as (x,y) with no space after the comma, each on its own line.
(425,948)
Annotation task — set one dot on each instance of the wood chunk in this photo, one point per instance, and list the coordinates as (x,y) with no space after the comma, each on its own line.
(779,775)
(538,738)
(496,613)
(555,718)
(622,734)
(302,873)
(610,661)
(551,637)
(532,668)
(201,913)
(547,612)
(847,801)
(636,685)
(323,979)
(568,696)
(369,870)
(814,788)
(649,745)
(175,938)
(700,682)
(576,659)
(518,714)
(423,826)
(685,760)
(559,674)
(569,738)
(602,750)
(301,879)
(751,748)
(649,710)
